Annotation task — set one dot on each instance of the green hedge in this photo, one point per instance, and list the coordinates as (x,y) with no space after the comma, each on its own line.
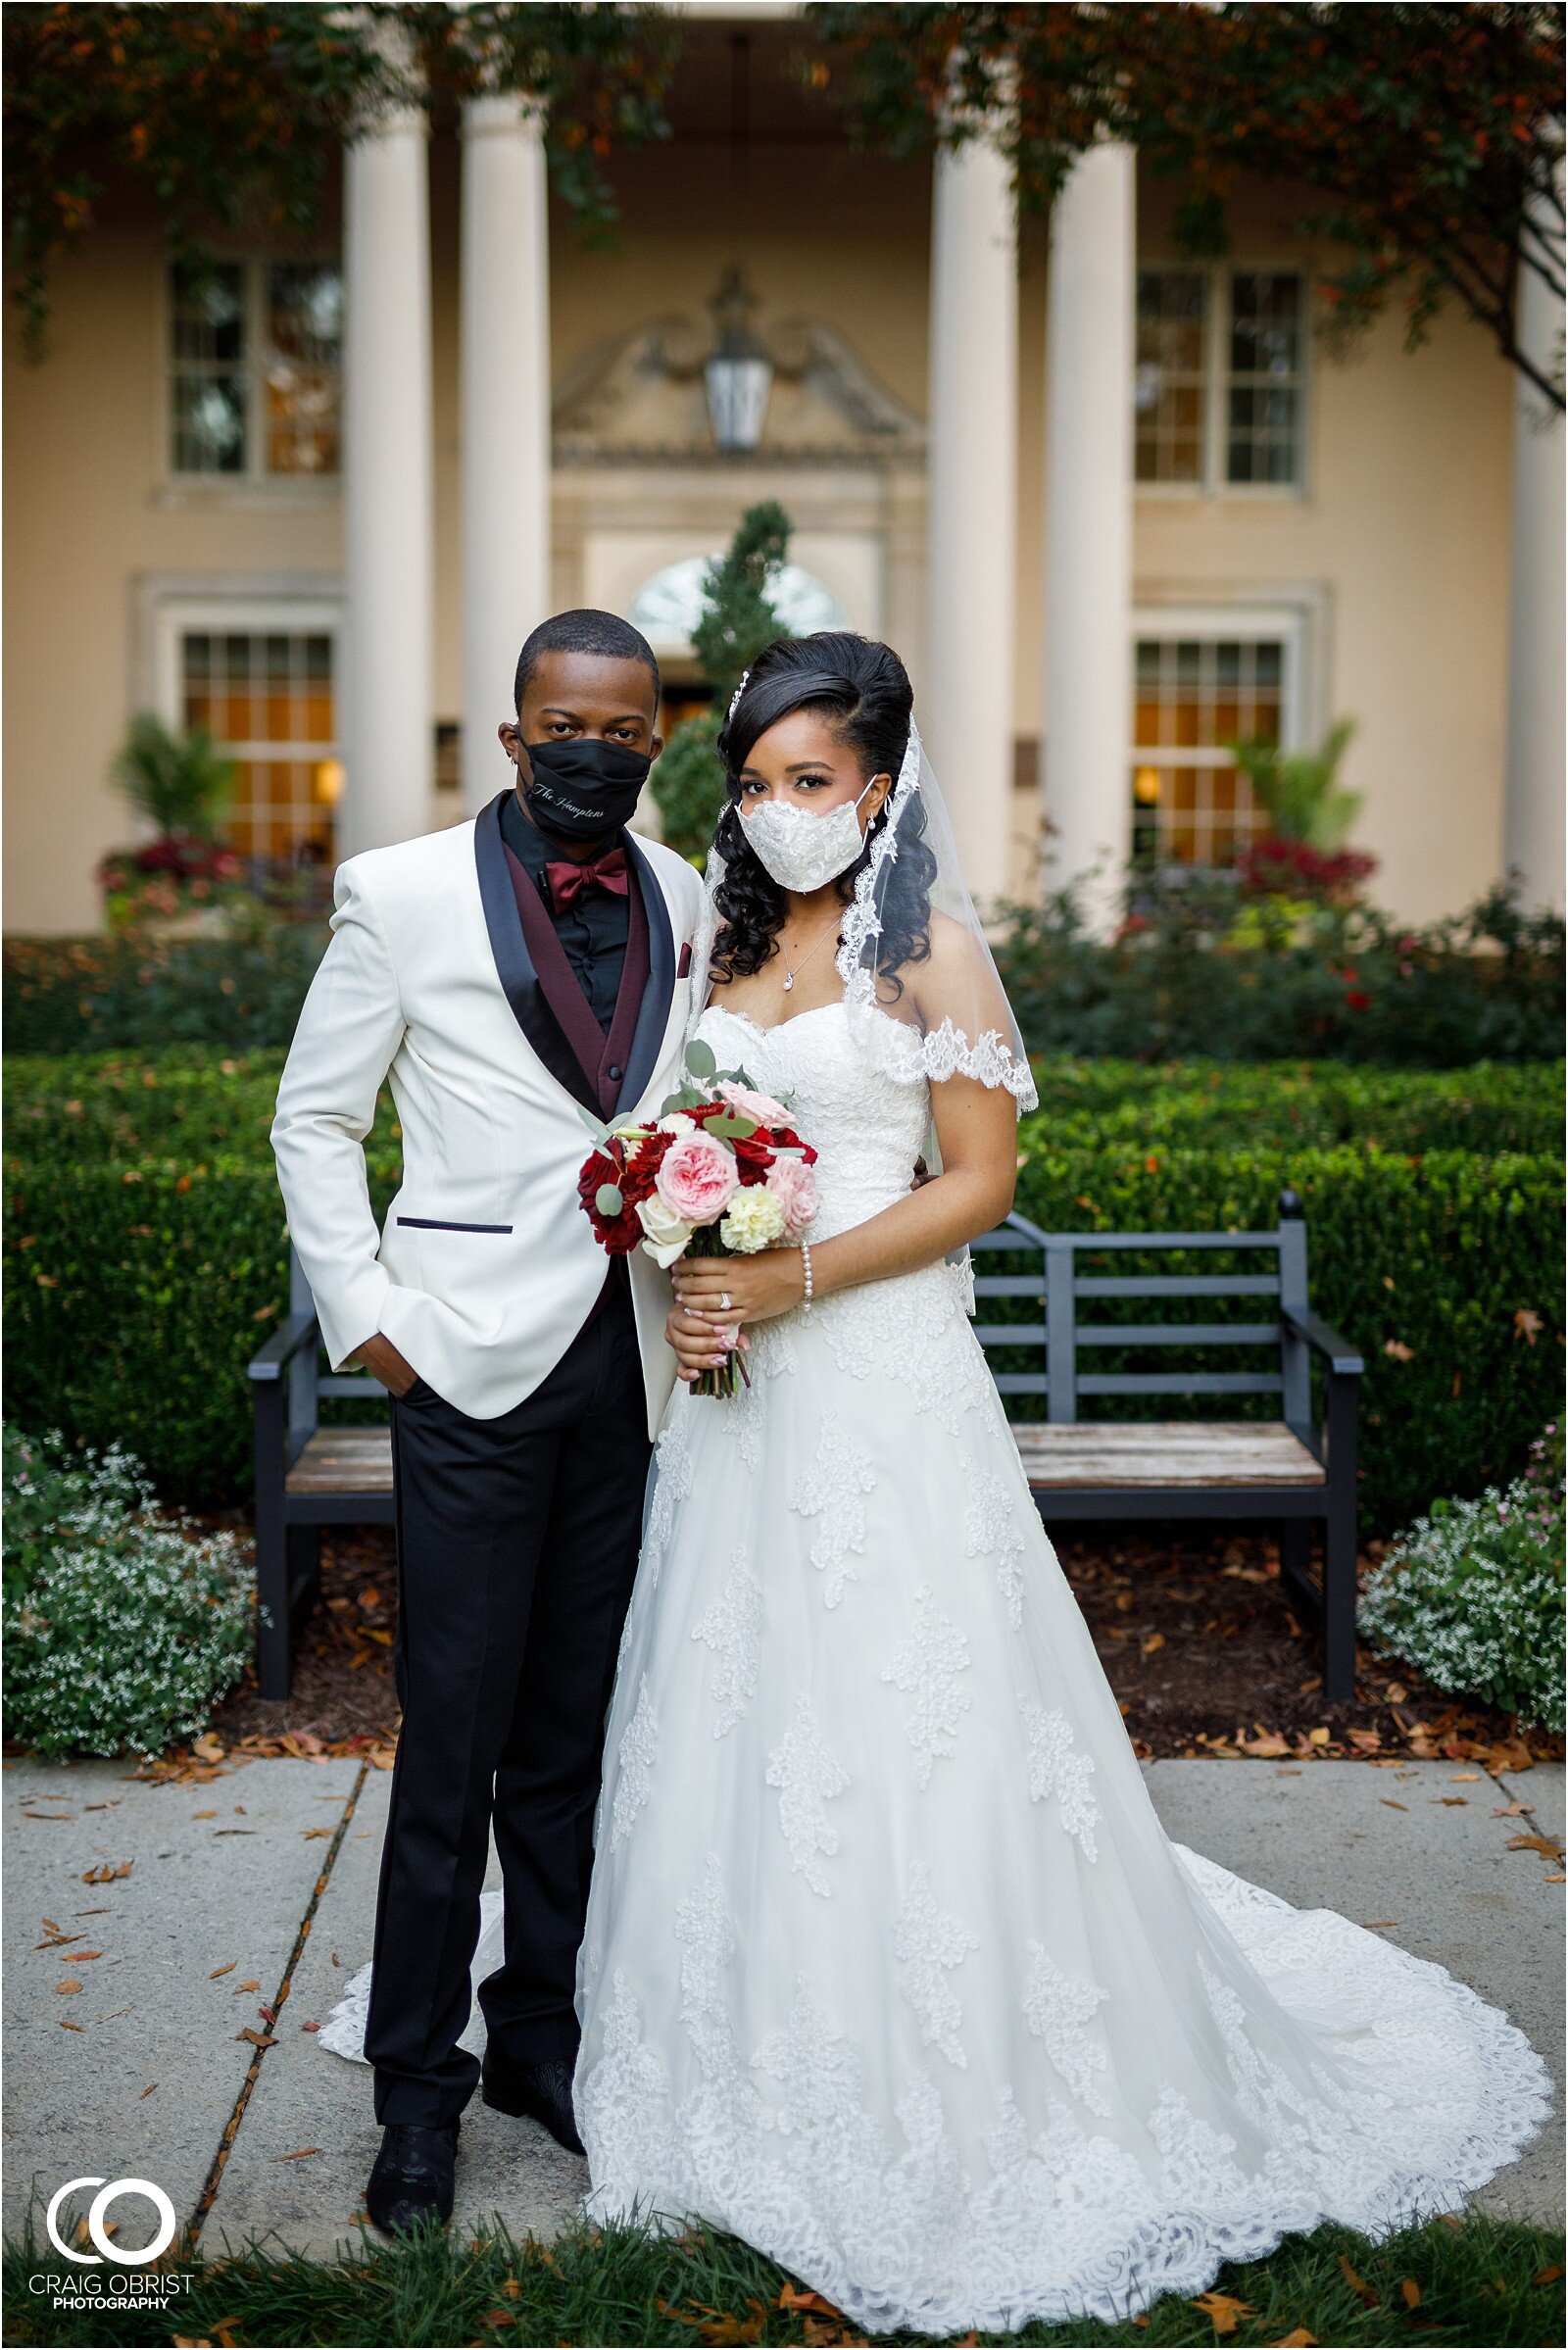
(189,1103)
(132,993)
(137,1293)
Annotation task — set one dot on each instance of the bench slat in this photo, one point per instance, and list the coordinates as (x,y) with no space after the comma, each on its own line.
(1115,1454)
(1182,1383)
(348,1460)
(1176,1285)
(1177,1334)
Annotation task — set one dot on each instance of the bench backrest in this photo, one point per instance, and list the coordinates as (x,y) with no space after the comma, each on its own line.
(1050,1275)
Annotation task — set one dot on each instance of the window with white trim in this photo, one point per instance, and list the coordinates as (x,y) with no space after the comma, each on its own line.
(1201,682)
(254,359)
(269,699)
(1221,381)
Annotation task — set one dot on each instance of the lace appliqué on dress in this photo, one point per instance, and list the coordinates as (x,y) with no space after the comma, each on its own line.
(808,1775)
(833,1489)
(1060,2010)
(634,1767)
(1058,1768)
(733,1629)
(926,1666)
(991,1530)
(927,1944)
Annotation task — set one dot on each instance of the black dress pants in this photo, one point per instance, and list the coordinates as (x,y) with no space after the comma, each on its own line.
(517,1543)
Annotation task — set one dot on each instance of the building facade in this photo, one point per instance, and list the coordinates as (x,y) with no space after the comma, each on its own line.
(1117,509)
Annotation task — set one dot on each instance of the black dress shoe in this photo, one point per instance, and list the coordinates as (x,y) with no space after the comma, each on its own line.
(542,2090)
(412,2181)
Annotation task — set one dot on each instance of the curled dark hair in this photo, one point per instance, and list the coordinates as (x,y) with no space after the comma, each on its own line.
(863,689)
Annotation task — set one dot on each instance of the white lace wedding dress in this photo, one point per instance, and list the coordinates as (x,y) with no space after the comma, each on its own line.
(889,1966)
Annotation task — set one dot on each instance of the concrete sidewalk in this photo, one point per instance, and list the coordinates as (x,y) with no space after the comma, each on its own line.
(257,1890)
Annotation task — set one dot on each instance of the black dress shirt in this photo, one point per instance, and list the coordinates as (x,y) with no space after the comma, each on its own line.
(593,928)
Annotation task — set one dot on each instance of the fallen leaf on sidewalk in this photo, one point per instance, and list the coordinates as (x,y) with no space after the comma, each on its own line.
(229,1970)
(66,1988)
(311,1832)
(310,2027)
(148,2090)
(1376,1925)
(1548,1846)
(251,1984)
(204,1815)
(1391,1804)
(65,2027)
(299,2154)
(1358,2285)
(1510,1811)
(105,1875)
(1223,2311)
(1448,1801)
(258,2039)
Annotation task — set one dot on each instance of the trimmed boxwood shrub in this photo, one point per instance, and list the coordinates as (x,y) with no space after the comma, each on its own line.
(140,993)
(137,1293)
(191,1103)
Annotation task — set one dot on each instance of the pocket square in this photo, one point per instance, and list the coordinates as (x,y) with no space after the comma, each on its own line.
(683,968)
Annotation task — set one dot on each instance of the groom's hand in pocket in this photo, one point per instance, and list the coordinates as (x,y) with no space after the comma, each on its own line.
(382,1361)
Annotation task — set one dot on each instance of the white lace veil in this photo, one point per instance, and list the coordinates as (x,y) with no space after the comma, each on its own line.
(948,1016)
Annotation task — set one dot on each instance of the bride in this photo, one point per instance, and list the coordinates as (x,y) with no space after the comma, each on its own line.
(889,1966)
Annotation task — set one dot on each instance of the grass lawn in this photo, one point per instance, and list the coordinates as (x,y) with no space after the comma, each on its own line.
(1480,2283)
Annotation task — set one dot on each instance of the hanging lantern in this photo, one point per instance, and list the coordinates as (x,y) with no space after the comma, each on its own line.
(739,373)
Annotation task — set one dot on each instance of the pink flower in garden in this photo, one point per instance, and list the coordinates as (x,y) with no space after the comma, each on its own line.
(761,1107)
(697,1178)
(794,1186)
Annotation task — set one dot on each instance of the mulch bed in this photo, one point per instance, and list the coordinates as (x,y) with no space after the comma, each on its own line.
(1192,1626)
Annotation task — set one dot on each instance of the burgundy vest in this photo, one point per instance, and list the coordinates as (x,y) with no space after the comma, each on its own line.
(602,1059)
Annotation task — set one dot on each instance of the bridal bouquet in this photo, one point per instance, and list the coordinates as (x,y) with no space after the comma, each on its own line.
(720,1172)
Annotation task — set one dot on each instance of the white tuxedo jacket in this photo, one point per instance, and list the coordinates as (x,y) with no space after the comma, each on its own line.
(487,1267)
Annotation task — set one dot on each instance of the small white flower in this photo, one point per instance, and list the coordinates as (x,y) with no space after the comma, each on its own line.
(755,1219)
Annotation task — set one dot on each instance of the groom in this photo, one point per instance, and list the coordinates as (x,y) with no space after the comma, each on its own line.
(504,975)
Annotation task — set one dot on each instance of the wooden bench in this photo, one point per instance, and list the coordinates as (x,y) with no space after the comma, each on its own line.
(308,1477)
(1301,1474)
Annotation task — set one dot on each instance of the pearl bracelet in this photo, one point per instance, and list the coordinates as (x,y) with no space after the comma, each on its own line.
(805,1267)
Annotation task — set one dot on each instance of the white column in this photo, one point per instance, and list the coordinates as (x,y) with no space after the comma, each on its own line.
(506,417)
(387,495)
(973,476)
(1089,373)
(1533,821)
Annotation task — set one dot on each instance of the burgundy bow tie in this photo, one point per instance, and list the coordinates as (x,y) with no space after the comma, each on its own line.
(568,879)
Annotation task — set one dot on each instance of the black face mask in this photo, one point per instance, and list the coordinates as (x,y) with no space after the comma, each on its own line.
(583,790)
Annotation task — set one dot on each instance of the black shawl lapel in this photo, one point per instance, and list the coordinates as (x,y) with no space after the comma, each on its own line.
(654,1017)
(514,965)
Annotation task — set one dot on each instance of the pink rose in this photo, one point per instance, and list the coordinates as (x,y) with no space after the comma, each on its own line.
(761,1107)
(794,1186)
(697,1178)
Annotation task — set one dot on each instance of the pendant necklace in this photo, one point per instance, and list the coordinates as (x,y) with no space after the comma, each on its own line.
(790,970)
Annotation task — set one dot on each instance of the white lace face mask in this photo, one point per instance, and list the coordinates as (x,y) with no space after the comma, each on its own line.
(801,849)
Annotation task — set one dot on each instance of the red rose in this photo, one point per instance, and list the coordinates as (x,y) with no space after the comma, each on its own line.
(618,1234)
(641,1167)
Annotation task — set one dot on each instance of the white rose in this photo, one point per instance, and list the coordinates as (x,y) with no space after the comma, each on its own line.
(755,1220)
(678,1122)
(665,1236)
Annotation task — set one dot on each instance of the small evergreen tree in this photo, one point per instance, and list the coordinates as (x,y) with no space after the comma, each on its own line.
(737,621)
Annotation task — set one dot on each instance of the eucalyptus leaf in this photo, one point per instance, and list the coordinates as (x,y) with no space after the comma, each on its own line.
(700,1059)
(734,1127)
(596,1126)
(607,1200)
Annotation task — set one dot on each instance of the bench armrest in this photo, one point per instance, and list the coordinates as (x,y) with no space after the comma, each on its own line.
(1338,1351)
(287,1339)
